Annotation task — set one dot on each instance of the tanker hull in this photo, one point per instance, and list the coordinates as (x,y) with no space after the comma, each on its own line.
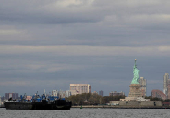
(56,105)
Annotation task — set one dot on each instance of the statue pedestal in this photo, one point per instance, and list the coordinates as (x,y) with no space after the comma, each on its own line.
(135,94)
(135,90)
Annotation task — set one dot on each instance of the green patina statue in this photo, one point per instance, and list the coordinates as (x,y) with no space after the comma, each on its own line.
(136,74)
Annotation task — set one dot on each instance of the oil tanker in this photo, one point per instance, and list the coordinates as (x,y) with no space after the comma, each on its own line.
(38,103)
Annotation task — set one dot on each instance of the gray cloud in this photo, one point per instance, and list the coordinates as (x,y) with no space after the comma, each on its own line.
(52,12)
(50,44)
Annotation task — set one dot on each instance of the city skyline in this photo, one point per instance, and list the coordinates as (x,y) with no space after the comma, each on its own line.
(50,44)
(165,82)
(86,88)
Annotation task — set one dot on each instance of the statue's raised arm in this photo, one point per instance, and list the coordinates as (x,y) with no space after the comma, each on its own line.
(136,74)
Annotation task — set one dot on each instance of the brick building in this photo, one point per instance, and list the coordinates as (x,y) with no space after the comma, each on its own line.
(158,94)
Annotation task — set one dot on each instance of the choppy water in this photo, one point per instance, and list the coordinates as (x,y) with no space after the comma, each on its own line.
(87,113)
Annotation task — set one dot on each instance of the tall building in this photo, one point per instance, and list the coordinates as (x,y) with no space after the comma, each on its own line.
(142,83)
(158,94)
(101,93)
(0,100)
(168,89)
(115,93)
(68,93)
(80,88)
(165,83)
(14,96)
(55,93)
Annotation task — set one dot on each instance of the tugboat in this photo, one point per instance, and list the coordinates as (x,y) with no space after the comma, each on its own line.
(38,103)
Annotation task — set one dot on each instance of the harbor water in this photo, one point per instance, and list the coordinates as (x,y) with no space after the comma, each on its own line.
(86,113)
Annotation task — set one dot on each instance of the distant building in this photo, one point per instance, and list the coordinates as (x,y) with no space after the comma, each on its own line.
(95,92)
(61,94)
(165,83)
(0,100)
(142,82)
(101,93)
(168,94)
(168,89)
(80,88)
(28,97)
(68,93)
(158,94)
(55,93)
(14,96)
(115,93)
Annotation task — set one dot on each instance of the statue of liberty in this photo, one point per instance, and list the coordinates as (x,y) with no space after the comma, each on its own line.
(136,74)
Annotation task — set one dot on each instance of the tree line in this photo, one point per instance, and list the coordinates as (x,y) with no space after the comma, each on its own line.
(95,99)
(92,99)
(156,99)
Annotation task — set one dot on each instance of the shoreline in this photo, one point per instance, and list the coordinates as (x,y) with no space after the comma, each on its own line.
(122,107)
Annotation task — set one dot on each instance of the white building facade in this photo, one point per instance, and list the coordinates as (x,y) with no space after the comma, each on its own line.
(80,88)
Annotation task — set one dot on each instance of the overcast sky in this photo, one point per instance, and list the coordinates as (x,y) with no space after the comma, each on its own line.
(49,44)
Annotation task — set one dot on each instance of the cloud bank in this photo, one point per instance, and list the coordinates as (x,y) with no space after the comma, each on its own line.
(50,44)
